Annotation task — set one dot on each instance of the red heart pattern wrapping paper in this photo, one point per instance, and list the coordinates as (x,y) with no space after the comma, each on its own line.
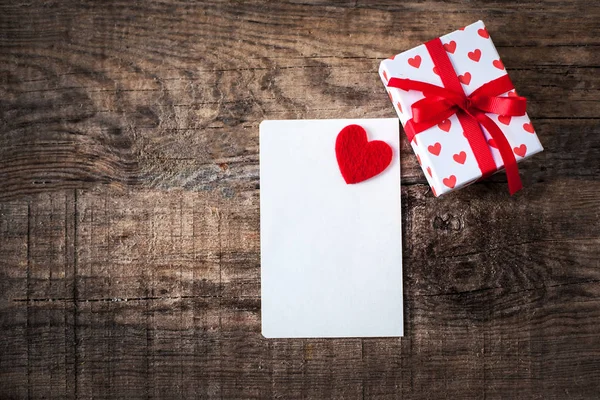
(444,153)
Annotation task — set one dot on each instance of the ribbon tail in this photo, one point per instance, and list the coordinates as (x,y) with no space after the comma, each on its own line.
(476,139)
(508,157)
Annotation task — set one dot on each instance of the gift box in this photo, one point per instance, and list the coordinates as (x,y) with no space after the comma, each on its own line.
(459,109)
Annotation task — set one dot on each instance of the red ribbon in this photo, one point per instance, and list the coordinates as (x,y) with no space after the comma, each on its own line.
(442,102)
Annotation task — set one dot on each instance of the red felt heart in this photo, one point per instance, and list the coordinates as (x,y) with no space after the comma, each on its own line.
(521,150)
(449,181)
(465,79)
(474,55)
(528,127)
(483,33)
(505,119)
(358,158)
(450,46)
(492,143)
(460,157)
(445,125)
(435,149)
(498,64)
(415,61)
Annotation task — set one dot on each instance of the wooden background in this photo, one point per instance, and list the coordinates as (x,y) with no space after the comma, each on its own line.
(129,203)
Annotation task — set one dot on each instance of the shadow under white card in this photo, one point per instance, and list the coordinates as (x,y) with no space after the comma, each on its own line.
(331,253)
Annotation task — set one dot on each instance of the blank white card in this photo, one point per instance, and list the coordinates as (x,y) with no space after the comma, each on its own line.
(331,253)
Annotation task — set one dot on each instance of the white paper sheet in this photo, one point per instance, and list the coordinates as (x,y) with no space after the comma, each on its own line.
(331,253)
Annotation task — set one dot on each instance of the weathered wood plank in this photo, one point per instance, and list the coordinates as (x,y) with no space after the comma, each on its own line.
(38,278)
(482,318)
(105,96)
(129,219)
(14,367)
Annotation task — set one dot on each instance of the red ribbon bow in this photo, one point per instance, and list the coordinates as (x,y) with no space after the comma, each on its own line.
(442,102)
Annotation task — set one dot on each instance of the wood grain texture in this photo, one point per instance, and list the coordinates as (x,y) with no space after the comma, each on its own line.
(129,203)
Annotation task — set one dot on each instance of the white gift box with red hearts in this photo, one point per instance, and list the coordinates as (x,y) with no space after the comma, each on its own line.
(444,154)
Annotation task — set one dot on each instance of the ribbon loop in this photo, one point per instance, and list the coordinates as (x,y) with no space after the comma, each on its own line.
(439,103)
(430,108)
(512,106)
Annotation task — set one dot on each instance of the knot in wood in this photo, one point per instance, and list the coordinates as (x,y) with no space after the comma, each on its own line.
(447,222)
